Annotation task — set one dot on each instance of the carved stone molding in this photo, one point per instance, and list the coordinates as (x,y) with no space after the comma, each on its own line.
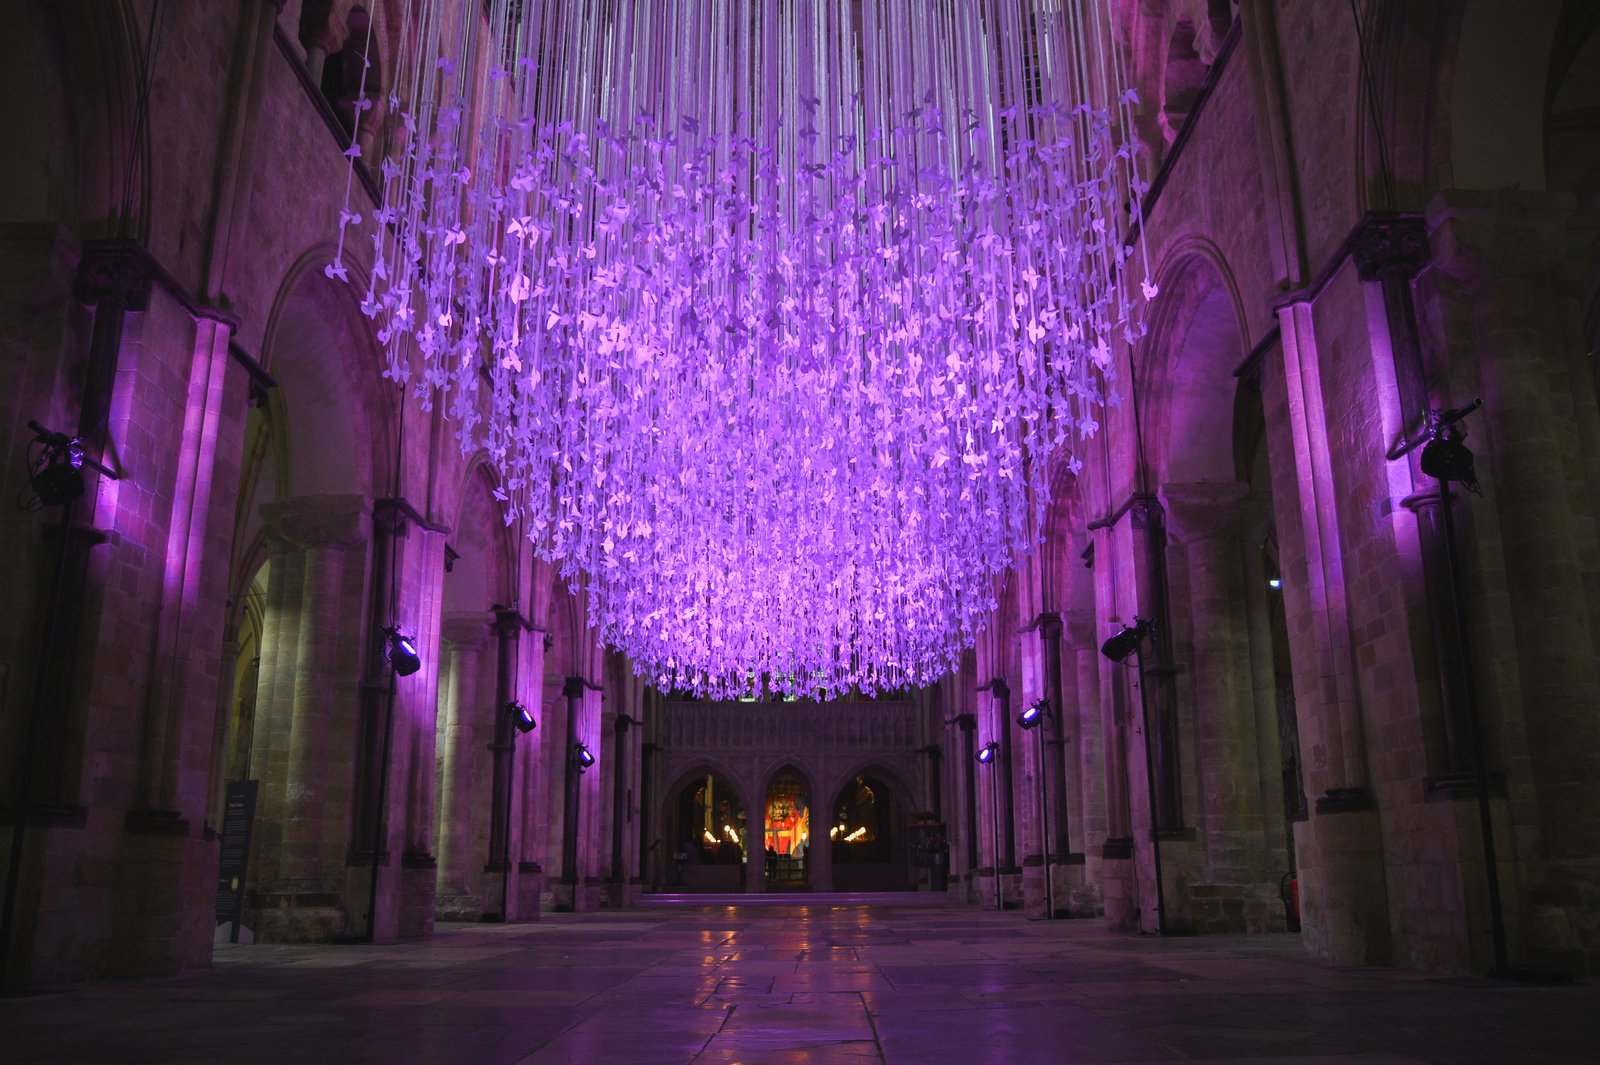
(1207,510)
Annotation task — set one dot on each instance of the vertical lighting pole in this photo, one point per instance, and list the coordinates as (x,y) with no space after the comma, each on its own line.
(619,799)
(987,756)
(1130,641)
(1445,458)
(522,721)
(403,661)
(1031,719)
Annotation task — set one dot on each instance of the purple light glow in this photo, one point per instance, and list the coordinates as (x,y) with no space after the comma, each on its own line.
(781,372)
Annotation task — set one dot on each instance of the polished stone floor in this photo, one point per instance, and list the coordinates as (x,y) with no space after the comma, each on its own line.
(816,985)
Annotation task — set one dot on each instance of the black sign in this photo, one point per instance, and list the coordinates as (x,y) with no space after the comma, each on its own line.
(237,818)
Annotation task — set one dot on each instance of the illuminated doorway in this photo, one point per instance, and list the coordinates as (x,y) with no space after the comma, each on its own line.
(788,831)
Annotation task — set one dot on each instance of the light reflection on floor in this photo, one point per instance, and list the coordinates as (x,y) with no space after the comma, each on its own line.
(773,985)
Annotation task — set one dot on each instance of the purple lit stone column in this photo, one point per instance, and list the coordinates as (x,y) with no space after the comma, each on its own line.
(1340,849)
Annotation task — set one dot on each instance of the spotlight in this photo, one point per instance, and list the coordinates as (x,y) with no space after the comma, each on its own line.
(1033,715)
(990,752)
(1448,459)
(1126,641)
(402,653)
(581,757)
(521,717)
(57,474)
(1269,562)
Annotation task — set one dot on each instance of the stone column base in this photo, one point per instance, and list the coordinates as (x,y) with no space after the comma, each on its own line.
(297,917)
(1248,908)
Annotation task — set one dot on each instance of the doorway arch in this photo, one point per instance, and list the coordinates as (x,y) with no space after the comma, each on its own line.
(867,833)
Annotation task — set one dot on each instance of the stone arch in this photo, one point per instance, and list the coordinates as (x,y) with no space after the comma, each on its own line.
(1183,72)
(482,572)
(74,153)
(704,866)
(1058,548)
(892,872)
(322,352)
(1216,717)
(1197,338)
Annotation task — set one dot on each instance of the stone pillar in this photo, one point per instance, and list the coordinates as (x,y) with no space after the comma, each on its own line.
(651,860)
(1236,891)
(755,851)
(317,675)
(1510,300)
(463,805)
(820,862)
(618,888)
(1088,749)
(498,867)
(1055,767)
(571,874)
(1343,888)
(1000,696)
(299,890)
(968,724)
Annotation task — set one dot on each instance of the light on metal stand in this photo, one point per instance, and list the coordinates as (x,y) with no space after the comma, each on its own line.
(522,720)
(1129,640)
(1032,718)
(401,651)
(1445,458)
(988,756)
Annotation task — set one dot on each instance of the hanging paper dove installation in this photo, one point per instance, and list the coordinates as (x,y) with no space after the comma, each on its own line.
(773,316)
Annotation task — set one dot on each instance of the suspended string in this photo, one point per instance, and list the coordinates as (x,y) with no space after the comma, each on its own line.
(773,325)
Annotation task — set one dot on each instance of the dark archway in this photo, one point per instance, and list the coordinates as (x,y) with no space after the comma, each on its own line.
(868,837)
(705,822)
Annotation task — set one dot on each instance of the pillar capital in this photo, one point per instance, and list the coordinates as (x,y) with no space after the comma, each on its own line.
(395,515)
(1206,510)
(1484,239)
(318,521)
(466,630)
(1390,246)
(119,271)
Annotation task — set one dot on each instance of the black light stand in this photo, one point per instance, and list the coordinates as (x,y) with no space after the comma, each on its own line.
(1130,641)
(1032,718)
(1446,459)
(987,756)
(403,661)
(55,480)
(521,720)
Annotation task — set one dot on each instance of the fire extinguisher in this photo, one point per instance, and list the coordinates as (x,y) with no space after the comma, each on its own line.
(1289,891)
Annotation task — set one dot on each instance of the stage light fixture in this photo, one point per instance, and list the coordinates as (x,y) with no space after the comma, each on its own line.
(1126,641)
(990,752)
(581,757)
(1448,459)
(1035,714)
(402,652)
(521,717)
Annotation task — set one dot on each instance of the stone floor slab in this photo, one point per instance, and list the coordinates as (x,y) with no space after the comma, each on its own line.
(813,984)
